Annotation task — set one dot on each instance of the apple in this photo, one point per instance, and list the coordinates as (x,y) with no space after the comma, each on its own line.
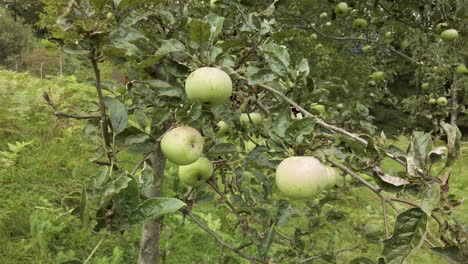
(440,27)
(213,4)
(442,101)
(208,85)
(300,177)
(425,86)
(256,119)
(328,24)
(366,49)
(318,47)
(449,35)
(378,75)
(388,35)
(359,24)
(223,128)
(313,36)
(196,173)
(332,177)
(320,108)
(110,15)
(341,9)
(340,106)
(323,15)
(182,145)
(432,101)
(461,69)
(354,12)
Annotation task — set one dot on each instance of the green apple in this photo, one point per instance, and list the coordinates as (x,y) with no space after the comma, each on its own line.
(328,24)
(182,145)
(213,4)
(196,173)
(313,36)
(320,108)
(300,177)
(442,101)
(461,69)
(332,176)
(449,35)
(359,24)
(340,106)
(425,86)
(256,119)
(110,15)
(432,101)
(341,9)
(388,35)
(354,12)
(378,75)
(318,47)
(367,49)
(208,85)
(223,128)
(441,27)
(323,15)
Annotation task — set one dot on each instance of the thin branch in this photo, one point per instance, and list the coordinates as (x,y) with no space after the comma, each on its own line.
(385,217)
(220,240)
(335,253)
(233,209)
(59,113)
(140,162)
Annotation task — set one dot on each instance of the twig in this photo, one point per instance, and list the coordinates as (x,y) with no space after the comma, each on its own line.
(94,250)
(220,240)
(140,162)
(385,217)
(58,113)
(233,209)
(335,253)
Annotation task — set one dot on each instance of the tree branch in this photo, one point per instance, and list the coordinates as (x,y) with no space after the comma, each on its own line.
(219,239)
(335,253)
(59,113)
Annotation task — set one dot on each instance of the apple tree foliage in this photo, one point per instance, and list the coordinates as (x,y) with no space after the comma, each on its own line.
(280,70)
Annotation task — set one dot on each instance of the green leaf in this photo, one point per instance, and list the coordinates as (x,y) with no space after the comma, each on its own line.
(117,114)
(140,118)
(147,176)
(362,110)
(75,49)
(100,178)
(361,260)
(430,197)
(303,67)
(437,154)
(114,188)
(283,211)
(266,242)
(99,4)
(260,159)
(154,208)
(282,122)
(222,148)
(452,253)
(453,143)
(167,47)
(257,76)
(134,17)
(216,23)
(84,209)
(122,4)
(200,31)
(127,199)
(299,127)
(278,58)
(408,236)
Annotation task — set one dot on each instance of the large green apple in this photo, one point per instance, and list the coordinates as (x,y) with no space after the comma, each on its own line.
(341,9)
(461,69)
(182,145)
(196,173)
(449,35)
(359,24)
(223,128)
(208,85)
(300,177)
(256,119)
(442,101)
(378,75)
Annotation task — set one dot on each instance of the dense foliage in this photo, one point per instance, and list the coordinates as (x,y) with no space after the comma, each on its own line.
(318,81)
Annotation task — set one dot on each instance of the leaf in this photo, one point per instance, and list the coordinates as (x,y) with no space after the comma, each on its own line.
(99,4)
(361,260)
(134,17)
(260,159)
(437,154)
(266,242)
(283,211)
(408,236)
(453,143)
(122,4)
(200,31)
(216,23)
(222,148)
(430,198)
(117,114)
(278,58)
(282,122)
(154,208)
(75,49)
(257,76)
(362,110)
(168,46)
(114,188)
(395,181)
(303,67)
(146,177)
(100,178)
(299,127)
(452,253)
(84,209)
(125,34)
(127,200)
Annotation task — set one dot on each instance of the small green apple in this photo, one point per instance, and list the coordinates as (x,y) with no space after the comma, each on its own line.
(432,101)
(388,35)
(461,69)
(318,47)
(323,15)
(196,173)
(442,101)
(110,15)
(441,27)
(213,4)
(359,24)
(300,177)
(378,75)
(313,36)
(340,106)
(328,24)
(367,49)
(425,86)
(223,128)
(208,85)
(341,9)
(182,145)
(256,119)
(449,35)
